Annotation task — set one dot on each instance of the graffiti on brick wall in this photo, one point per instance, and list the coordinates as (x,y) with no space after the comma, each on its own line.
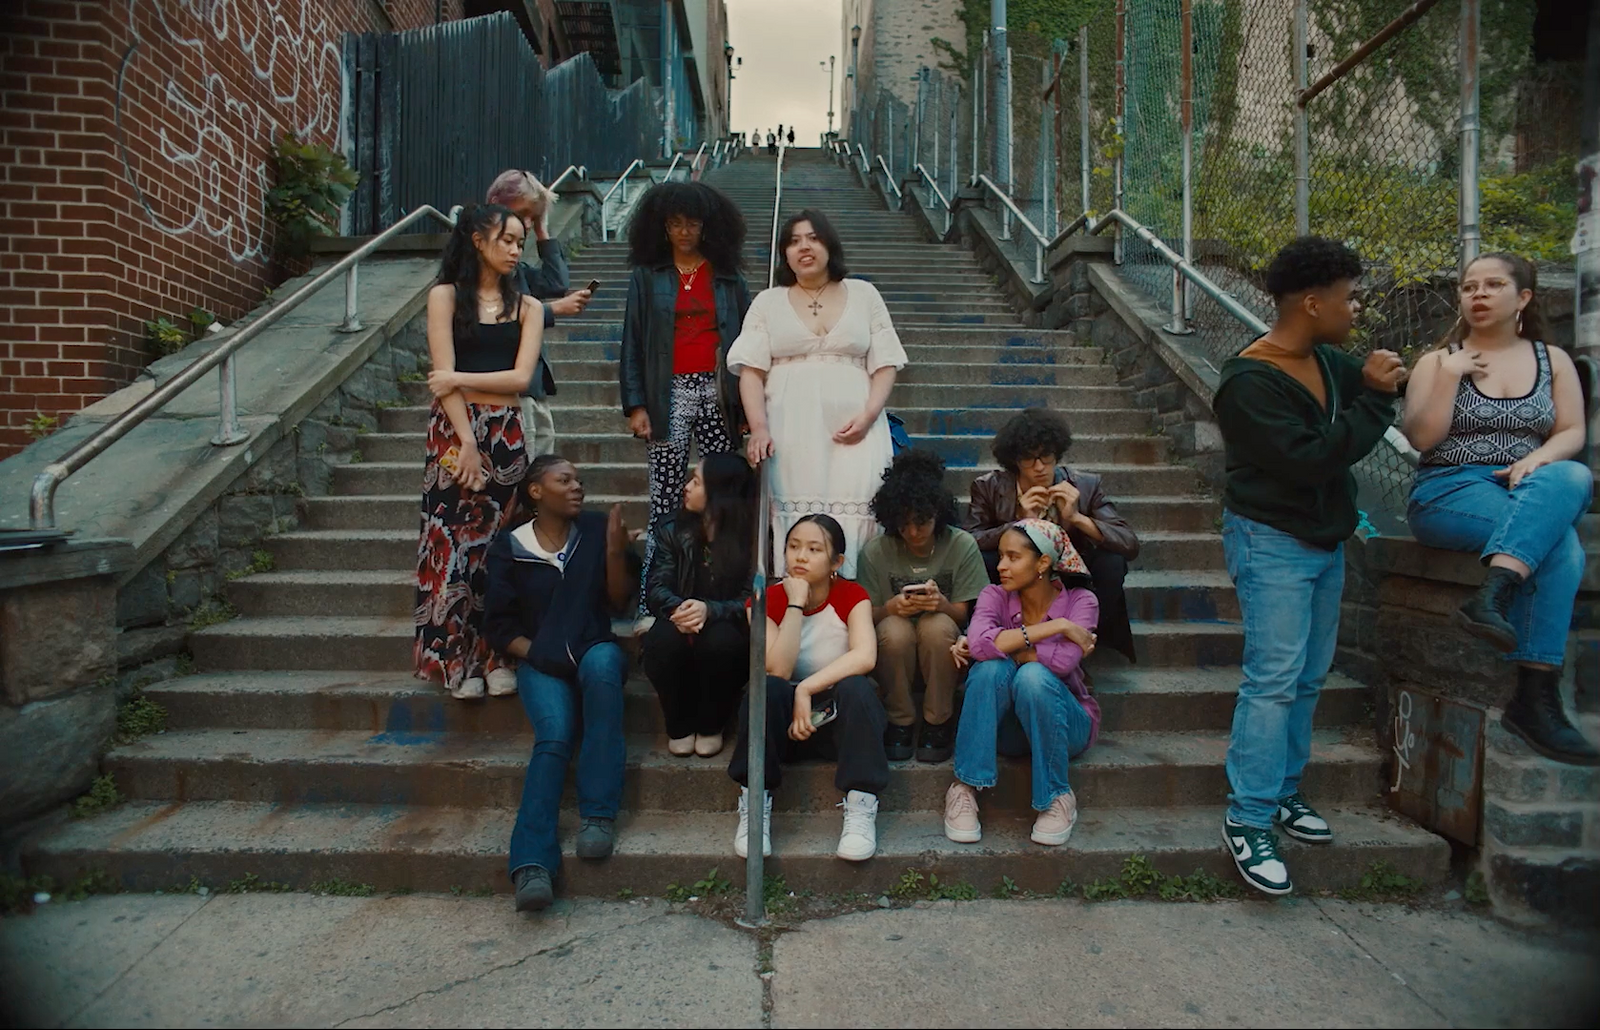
(204,89)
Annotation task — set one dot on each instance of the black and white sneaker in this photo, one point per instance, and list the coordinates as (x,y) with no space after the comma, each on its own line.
(1300,821)
(1255,852)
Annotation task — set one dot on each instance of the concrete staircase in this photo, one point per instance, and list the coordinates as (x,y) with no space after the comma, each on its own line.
(302,749)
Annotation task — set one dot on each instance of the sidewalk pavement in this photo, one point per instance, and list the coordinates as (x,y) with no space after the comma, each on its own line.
(425,961)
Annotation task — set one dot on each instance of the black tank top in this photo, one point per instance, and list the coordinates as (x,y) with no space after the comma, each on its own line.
(493,348)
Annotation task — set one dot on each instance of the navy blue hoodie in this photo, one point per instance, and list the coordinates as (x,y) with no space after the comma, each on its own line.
(562,613)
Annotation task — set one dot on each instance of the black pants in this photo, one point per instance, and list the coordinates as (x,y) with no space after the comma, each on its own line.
(854,740)
(698,678)
(1107,570)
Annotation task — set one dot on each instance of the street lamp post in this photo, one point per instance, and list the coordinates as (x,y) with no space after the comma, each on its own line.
(830,93)
(855,80)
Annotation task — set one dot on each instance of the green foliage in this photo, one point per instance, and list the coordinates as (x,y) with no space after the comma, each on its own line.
(711,886)
(1477,890)
(212,613)
(1047,19)
(775,895)
(260,561)
(41,425)
(625,894)
(250,883)
(139,716)
(340,888)
(957,891)
(201,319)
(413,377)
(1383,882)
(194,886)
(1141,879)
(102,796)
(1007,888)
(95,881)
(16,893)
(1066,889)
(1197,886)
(312,182)
(165,336)
(355,458)
(909,886)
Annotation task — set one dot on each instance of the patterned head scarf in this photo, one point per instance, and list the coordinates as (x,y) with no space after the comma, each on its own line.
(1052,542)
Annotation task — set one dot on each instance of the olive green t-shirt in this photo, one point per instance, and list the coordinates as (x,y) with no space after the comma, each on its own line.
(886,565)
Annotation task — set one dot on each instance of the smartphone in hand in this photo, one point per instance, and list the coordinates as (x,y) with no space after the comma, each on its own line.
(820,717)
(594,284)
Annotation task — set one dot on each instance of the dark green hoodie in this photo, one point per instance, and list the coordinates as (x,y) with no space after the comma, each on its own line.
(1288,460)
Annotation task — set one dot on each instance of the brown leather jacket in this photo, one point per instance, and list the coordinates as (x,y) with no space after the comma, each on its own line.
(994,507)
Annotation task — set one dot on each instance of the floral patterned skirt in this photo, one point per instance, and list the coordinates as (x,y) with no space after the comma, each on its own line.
(453,551)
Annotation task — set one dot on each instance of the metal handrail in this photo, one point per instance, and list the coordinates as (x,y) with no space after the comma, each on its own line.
(1183,269)
(1005,225)
(694,165)
(622,182)
(866,165)
(670,168)
(42,498)
(777,199)
(889,178)
(938,194)
(580,171)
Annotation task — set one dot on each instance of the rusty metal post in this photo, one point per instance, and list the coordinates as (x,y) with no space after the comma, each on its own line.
(1122,90)
(1180,292)
(1083,114)
(1302,127)
(1468,218)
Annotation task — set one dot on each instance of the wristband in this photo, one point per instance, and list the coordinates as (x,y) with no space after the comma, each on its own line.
(1025,641)
(801,607)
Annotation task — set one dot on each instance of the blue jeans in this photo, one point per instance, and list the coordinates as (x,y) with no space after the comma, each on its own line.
(1289,600)
(1465,508)
(1014,710)
(555,708)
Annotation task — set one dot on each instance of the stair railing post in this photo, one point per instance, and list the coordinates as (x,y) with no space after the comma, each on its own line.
(1122,89)
(755,906)
(229,432)
(1180,291)
(352,301)
(1083,115)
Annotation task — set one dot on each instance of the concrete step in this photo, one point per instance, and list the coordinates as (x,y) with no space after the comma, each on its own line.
(584,392)
(1132,698)
(1061,344)
(982,423)
(1017,372)
(573,349)
(319,592)
(480,770)
(954,300)
(148,846)
(1181,595)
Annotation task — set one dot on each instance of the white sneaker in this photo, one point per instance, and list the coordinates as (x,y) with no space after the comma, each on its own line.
(502,682)
(469,689)
(681,746)
(742,834)
(642,625)
(859,841)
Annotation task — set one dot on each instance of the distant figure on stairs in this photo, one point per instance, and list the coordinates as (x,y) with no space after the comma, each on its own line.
(531,200)
(554,582)
(697,654)
(687,297)
(791,135)
(1296,413)
(772,143)
(816,363)
(484,338)
(1500,477)
(1031,483)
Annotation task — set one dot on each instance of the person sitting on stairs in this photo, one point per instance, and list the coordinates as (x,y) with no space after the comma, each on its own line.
(1031,483)
(922,574)
(1498,477)
(553,583)
(820,703)
(1026,694)
(1296,413)
(697,654)
(484,339)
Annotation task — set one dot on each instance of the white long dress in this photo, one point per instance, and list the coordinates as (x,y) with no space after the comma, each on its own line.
(815,384)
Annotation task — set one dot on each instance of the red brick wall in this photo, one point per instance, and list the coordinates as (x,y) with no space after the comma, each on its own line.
(134,144)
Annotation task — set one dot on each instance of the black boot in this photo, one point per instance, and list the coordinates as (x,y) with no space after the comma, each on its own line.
(1485,615)
(1534,713)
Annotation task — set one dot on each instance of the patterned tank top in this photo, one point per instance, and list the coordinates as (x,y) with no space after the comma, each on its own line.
(1497,430)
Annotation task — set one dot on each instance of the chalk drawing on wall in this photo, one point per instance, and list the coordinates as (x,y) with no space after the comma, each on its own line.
(199,168)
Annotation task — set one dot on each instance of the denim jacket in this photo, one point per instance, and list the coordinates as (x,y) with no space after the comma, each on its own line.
(645,371)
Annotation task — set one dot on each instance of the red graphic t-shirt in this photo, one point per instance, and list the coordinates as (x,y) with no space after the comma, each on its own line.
(695,337)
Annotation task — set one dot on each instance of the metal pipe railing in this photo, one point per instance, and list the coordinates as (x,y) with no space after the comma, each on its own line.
(42,497)
(580,171)
(777,198)
(938,194)
(694,165)
(888,177)
(621,183)
(670,169)
(1039,242)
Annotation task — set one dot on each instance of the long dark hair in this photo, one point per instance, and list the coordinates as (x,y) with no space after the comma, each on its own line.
(827,235)
(730,515)
(830,528)
(460,265)
(722,227)
(1526,277)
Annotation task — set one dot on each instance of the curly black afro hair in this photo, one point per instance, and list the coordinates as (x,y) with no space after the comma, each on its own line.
(722,228)
(1310,263)
(1030,433)
(913,491)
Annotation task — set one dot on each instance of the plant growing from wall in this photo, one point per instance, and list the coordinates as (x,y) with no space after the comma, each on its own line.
(165,336)
(41,425)
(312,183)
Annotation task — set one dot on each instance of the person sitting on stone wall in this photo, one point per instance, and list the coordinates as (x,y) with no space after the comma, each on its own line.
(1031,484)
(531,200)
(922,573)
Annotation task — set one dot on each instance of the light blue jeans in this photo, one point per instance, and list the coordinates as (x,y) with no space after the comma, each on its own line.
(1289,599)
(1014,710)
(1465,508)
(561,711)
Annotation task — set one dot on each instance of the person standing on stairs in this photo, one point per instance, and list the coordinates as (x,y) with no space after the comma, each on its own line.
(1026,694)
(1031,483)
(1296,413)
(697,654)
(772,144)
(820,703)
(791,135)
(1498,477)
(553,583)
(816,363)
(686,300)
(922,573)
(531,200)
(484,338)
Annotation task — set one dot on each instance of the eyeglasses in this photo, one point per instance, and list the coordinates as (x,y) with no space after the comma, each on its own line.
(1038,459)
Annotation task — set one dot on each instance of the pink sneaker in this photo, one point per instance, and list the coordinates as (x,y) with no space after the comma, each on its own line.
(1055,823)
(961,814)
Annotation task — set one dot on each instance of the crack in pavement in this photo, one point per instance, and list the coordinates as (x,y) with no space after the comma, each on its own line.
(81,1009)
(1351,937)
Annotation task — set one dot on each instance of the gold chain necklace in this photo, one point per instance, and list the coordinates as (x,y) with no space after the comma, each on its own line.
(816,298)
(686,279)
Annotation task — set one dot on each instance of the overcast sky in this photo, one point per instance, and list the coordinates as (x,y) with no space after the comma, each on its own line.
(782,42)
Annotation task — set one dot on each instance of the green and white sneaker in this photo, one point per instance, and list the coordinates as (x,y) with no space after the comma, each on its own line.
(1255,852)
(1300,821)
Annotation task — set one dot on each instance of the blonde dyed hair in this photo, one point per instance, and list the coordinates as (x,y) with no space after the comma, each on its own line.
(515,185)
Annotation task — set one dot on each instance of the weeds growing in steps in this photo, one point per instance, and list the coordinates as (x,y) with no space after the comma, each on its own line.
(212,613)
(139,716)
(260,561)
(1383,882)
(102,796)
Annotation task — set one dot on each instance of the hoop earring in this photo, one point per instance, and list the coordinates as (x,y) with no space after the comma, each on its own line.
(1519,323)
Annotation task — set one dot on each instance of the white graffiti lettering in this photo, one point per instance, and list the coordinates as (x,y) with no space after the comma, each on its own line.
(1404,739)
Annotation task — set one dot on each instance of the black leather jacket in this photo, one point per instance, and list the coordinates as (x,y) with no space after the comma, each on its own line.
(645,371)
(678,551)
